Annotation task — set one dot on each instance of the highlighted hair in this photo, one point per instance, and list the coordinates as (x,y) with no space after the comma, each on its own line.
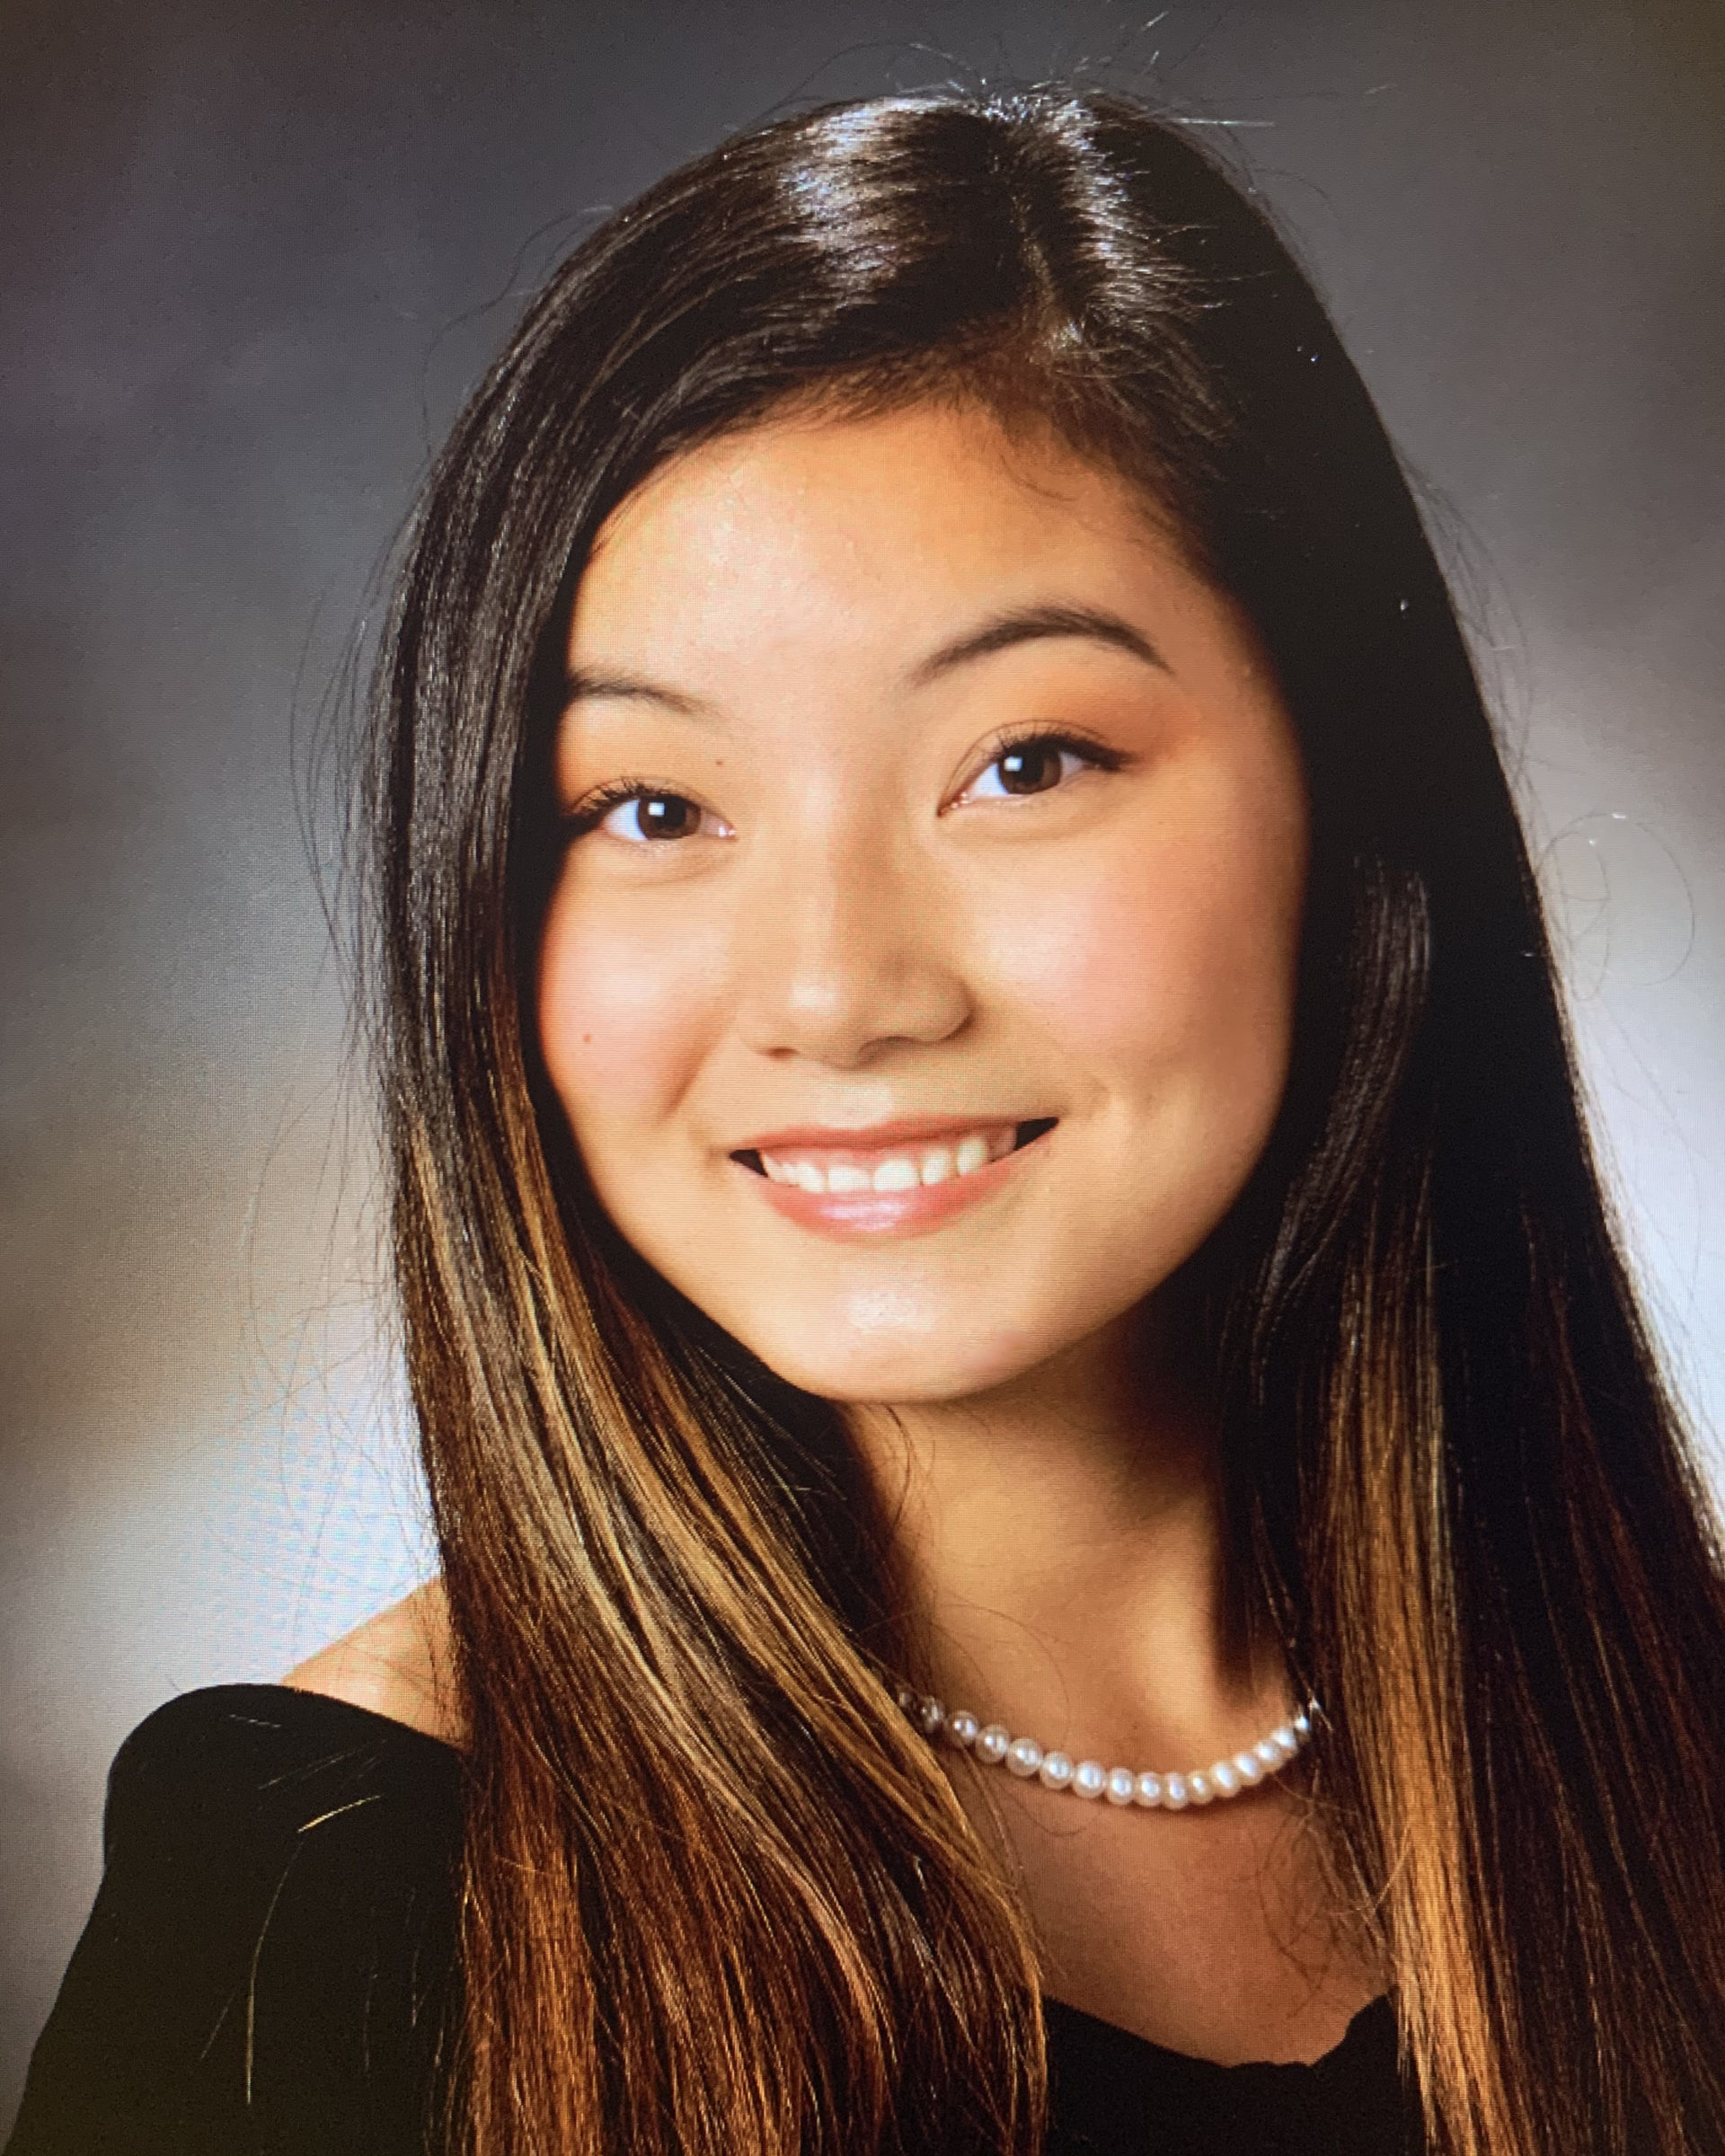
(718,1899)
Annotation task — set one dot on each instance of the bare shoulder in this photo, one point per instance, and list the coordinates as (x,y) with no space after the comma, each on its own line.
(396,1664)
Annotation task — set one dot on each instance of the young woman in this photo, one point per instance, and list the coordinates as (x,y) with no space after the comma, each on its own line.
(1057,1525)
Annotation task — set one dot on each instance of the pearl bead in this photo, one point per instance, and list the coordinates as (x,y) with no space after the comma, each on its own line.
(1024,1757)
(991,1743)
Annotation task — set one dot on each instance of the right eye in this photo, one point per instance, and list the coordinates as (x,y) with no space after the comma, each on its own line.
(648,815)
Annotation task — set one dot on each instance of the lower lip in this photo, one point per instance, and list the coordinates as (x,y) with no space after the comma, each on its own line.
(863,1216)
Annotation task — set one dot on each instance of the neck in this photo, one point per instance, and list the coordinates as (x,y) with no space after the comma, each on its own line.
(1058,1548)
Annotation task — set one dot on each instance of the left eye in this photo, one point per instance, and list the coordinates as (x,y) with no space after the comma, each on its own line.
(1035,766)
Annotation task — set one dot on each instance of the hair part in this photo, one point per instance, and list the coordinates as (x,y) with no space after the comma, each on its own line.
(717,1895)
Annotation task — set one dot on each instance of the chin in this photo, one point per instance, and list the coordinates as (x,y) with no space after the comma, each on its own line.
(884,1365)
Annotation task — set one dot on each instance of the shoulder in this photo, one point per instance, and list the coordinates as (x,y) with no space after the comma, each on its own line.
(237,1813)
(273,1934)
(253,1763)
(397,1664)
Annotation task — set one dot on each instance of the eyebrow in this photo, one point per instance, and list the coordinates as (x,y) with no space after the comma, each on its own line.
(581,683)
(1034,625)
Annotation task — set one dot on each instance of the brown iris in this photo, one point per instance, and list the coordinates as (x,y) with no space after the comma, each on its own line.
(665,815)
(1032,768)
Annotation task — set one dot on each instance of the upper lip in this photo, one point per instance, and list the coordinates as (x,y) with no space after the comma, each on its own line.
(873,1137)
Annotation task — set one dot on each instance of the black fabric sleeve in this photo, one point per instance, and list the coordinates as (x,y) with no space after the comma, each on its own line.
(268,1967)
(268,1970)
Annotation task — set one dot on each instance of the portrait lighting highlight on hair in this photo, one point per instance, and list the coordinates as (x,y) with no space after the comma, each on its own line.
(981,1142)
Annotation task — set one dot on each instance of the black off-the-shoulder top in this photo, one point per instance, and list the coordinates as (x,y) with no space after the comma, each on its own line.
(270,1960)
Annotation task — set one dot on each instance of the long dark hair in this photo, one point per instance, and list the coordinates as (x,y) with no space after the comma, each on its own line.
(717,1895)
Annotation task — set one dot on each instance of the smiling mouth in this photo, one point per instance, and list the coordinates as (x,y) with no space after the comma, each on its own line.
(846,1170)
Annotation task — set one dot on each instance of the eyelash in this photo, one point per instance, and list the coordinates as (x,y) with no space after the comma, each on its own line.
(1098,755)
(597,807)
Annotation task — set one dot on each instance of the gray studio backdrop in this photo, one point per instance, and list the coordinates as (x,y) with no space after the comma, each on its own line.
(254,253)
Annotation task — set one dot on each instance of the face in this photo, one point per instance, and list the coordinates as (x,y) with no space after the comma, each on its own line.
(919,979)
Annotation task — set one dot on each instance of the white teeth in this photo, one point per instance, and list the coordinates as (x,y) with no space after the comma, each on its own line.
(898,1171)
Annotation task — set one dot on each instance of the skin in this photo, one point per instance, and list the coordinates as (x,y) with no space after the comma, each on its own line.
(860,922)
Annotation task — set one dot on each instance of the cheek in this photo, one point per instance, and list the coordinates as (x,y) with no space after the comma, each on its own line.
(627,1002)
(1170,957)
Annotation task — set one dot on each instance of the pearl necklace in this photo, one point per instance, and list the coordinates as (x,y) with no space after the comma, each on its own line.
(994,1746)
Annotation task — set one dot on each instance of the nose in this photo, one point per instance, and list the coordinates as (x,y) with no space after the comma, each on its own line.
(845,950)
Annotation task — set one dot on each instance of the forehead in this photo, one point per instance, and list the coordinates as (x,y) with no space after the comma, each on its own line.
(853,531)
